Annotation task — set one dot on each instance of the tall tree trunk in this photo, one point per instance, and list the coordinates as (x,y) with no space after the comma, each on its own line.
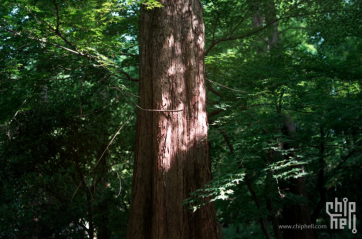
(172,153)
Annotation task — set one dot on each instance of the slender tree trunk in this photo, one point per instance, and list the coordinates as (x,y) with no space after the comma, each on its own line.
(100,187)
(172,153)
(262,221)
(262,48)
(320,181)
(271,16)
(297,213)
(268,199)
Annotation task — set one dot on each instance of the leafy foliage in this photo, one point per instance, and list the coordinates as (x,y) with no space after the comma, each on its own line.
(68,83)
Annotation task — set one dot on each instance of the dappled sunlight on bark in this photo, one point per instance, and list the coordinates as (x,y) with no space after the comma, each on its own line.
(172,153)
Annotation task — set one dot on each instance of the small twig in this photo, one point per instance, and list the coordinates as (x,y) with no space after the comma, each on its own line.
(289,28)
(216,112)
(80,98)
(346,24)
(45,42)
(104,152)
(120,184)
(75,192)
(226,86)
(155,110)
(57,15)
(16,113)
(209,87)
(237,25)
(128,76)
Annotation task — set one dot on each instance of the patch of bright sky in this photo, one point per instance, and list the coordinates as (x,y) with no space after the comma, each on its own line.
(15,10)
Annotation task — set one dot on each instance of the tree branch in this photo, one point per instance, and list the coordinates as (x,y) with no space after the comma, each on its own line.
(214,113)
(57,14)
(217,19)
(258,30)
(128,76)
(211,89)
(226,86)
(237,25)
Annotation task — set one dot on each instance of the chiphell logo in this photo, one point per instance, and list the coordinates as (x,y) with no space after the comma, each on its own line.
(341,212)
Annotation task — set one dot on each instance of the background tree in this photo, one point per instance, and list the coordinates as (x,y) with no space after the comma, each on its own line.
(250,93)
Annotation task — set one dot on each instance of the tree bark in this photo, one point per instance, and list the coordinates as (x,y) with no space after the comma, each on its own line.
(172,152)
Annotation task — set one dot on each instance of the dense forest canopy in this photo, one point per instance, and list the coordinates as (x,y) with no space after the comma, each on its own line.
(82,81)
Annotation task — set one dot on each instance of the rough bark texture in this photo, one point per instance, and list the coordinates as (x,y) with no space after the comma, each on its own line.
(172,153)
